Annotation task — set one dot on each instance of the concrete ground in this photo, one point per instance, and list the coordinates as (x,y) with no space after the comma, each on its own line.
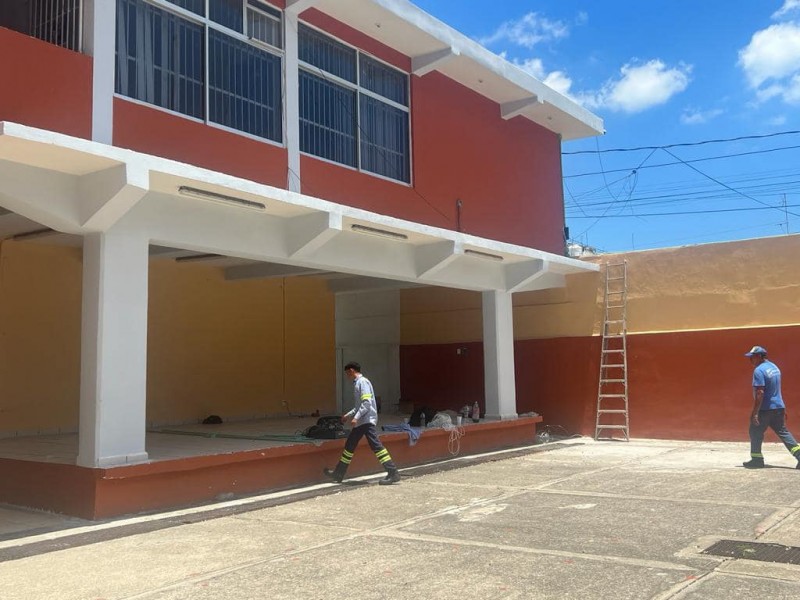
(574,519)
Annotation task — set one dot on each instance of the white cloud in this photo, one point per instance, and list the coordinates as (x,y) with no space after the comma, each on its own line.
(693,116)
(777,121)
(558,80)
(773,53)
(788,7)
(771,61)
(639,87)
(528,31)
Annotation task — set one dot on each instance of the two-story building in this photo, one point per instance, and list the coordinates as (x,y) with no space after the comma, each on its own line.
(208,206)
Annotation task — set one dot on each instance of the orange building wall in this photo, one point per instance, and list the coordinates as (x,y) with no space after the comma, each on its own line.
(44,85)
(692,313)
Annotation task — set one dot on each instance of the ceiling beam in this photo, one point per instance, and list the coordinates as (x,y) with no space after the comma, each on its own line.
(425,63)
(298,6)
(307,234)
(509,110)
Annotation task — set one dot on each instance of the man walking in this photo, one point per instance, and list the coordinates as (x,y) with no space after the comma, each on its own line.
(768,408)
(363,417)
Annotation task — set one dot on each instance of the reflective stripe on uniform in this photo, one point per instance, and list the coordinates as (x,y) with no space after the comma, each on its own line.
(795,450)
(756,455)
(383,456)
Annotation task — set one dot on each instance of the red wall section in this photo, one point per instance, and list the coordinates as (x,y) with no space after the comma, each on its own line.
(45,86)
(506,173)
(160,133)
(684,385)
(437,376)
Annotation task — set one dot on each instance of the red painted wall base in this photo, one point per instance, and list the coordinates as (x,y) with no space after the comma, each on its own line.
(104,493)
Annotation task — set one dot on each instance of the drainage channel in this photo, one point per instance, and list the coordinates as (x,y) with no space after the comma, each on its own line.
(761,551)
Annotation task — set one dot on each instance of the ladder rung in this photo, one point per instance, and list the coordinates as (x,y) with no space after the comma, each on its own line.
(614,335)
(612,412)
(613,381)
(612,427)
(612,395)
(614,321)
(616,350)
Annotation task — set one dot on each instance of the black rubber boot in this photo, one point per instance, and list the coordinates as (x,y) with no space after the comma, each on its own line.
(392,476)
(754,463)
(336,474)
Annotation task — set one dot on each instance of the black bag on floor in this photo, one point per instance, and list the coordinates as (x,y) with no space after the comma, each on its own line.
(327,428)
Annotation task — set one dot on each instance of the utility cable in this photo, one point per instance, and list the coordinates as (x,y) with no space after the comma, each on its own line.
(726,186)
(684,144)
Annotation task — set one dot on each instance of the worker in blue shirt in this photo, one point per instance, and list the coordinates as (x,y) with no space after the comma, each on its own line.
(768,408)
(363,418)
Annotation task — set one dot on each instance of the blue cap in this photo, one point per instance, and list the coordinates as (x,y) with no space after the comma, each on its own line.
(757,350)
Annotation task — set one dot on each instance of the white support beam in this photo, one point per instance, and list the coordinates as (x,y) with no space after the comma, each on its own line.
(298,6)
(99,42)
(268,271)
(498,356)
(106,196)
(425,63)
(307,234)
(521,274)
(509,110)
(292,100)
(113,395)
(432,258)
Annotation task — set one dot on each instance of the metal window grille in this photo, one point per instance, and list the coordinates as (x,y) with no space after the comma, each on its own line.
(198,7)
(327,54)
(327,120)
(159,58)
(264,24)
(57,22)
(383,80)
(384,139)
(244,87)
(332,111)
(227,13)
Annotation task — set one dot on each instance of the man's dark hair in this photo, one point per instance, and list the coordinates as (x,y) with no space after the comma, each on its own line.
(353,365)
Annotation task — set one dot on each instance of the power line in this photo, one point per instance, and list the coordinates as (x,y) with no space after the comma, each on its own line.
(690,212)
(726,186)
(684,144)
(670,164)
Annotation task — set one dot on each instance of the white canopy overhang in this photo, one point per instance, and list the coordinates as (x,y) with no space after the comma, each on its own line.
(77,187)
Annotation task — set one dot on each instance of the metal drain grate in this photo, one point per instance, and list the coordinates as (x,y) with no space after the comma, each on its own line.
(774,553)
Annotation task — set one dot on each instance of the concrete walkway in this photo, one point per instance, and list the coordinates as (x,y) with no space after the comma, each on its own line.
(576,519)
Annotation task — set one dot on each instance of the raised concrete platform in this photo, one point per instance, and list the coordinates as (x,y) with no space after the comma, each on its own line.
(186,469)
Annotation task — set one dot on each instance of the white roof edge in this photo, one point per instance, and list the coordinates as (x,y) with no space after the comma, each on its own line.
(557,263)
(468,47)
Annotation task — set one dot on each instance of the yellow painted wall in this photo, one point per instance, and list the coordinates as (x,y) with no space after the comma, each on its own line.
(214,346)
(751,283)
(40,317)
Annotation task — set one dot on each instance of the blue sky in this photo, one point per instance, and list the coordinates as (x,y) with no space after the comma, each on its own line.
(662,73)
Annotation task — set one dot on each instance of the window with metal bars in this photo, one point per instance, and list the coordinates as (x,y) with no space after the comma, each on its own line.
(353,108)
(213,67)
(57,22)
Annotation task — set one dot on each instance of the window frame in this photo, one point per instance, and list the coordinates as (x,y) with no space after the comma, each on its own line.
(358,89)
(206,22)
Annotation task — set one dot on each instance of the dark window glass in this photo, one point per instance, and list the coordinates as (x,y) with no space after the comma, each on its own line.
(198,7)
(244,87)
(327,120)
(383,80)
(264,24)
(227,13)
(159,58)
(384,139)
(327,54)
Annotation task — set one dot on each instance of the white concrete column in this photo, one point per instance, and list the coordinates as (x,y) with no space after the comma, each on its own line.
(113,350)
(498,356)
(292,100)
(99,41)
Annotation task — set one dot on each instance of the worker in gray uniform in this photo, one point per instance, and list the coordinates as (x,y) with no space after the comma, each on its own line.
(363,418)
